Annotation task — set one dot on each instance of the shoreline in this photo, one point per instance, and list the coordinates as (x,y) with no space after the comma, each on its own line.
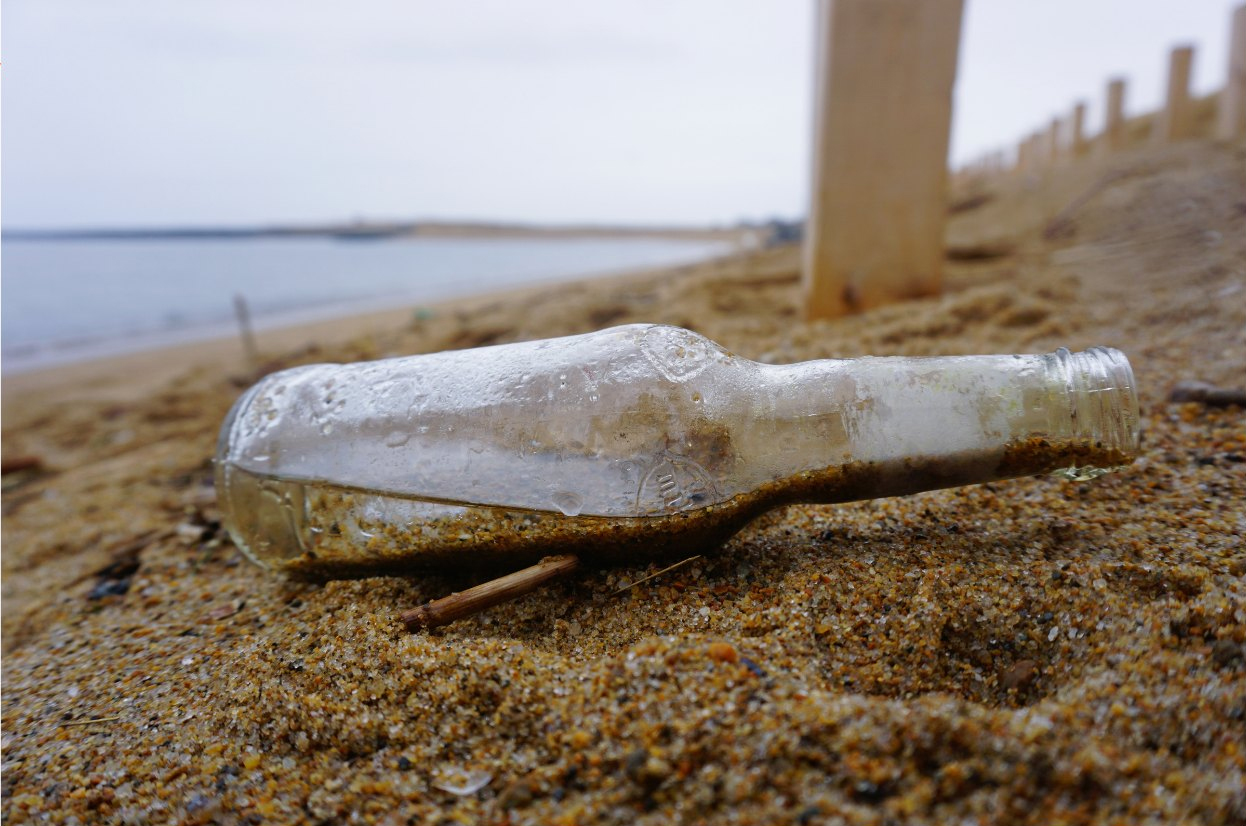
(45,346)
(147,369)
(393,231)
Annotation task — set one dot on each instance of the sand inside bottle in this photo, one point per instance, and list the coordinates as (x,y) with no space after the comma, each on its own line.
(325,531)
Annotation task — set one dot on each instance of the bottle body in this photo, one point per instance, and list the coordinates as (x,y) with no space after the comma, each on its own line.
(620,443)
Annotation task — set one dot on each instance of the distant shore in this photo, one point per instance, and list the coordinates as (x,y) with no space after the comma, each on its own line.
(393,230)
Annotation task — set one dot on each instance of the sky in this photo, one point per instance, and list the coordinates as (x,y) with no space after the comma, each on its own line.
(229,112)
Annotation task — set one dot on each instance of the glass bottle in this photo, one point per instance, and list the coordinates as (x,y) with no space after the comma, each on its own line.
(630,443)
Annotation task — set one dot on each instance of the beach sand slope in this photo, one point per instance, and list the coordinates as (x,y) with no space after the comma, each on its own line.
(1035,651)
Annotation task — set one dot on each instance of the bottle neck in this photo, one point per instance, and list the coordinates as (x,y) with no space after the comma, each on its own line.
(909,424)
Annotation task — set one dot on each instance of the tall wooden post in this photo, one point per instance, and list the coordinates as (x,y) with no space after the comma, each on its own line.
(1077,136)
(1053,142)
(1038,152)
(1231,119)
(883,113)
(1176,120)
(1114,116)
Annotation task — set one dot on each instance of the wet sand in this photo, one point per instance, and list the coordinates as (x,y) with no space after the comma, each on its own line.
(1030,651)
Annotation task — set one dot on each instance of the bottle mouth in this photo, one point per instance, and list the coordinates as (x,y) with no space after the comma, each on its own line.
(1102,398)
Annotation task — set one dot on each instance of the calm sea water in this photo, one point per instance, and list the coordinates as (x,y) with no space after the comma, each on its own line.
(70,300)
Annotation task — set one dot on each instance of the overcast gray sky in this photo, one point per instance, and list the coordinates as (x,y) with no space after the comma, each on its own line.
(151,112)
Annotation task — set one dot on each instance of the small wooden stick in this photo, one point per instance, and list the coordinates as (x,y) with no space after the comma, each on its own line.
(655,574)
(90,722)
(488,594)
(247,334)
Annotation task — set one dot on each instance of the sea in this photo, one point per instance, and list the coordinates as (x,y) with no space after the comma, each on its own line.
(71,300)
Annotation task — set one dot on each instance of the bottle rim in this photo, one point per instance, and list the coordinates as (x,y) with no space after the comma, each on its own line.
(1102,397)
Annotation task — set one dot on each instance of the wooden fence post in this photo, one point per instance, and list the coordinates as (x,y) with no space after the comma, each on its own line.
(1077,137)
(1176,120)
(1035,153)
(883,112)
(1231,120)
(1114,116)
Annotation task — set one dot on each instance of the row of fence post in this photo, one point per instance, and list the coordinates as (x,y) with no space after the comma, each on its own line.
(1065,138)
(885,72)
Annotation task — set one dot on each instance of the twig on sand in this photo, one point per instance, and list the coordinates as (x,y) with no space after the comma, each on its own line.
(656,574)
(89,722)
(247,334)
(487,594)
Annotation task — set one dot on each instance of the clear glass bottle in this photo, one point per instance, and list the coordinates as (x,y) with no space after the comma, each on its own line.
(629,443)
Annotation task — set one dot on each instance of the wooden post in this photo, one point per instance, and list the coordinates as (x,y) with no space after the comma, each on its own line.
(1231,119)
(1176,121)
(883,113)
(1036,153)
(1114,116)
(1053,142)
(1077,136)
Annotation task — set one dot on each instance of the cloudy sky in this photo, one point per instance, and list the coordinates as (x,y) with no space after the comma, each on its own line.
(150,112)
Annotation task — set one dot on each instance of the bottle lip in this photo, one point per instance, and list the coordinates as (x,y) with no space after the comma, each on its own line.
(1102,396)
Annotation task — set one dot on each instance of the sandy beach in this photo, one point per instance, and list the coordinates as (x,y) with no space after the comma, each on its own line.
(1031,651)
